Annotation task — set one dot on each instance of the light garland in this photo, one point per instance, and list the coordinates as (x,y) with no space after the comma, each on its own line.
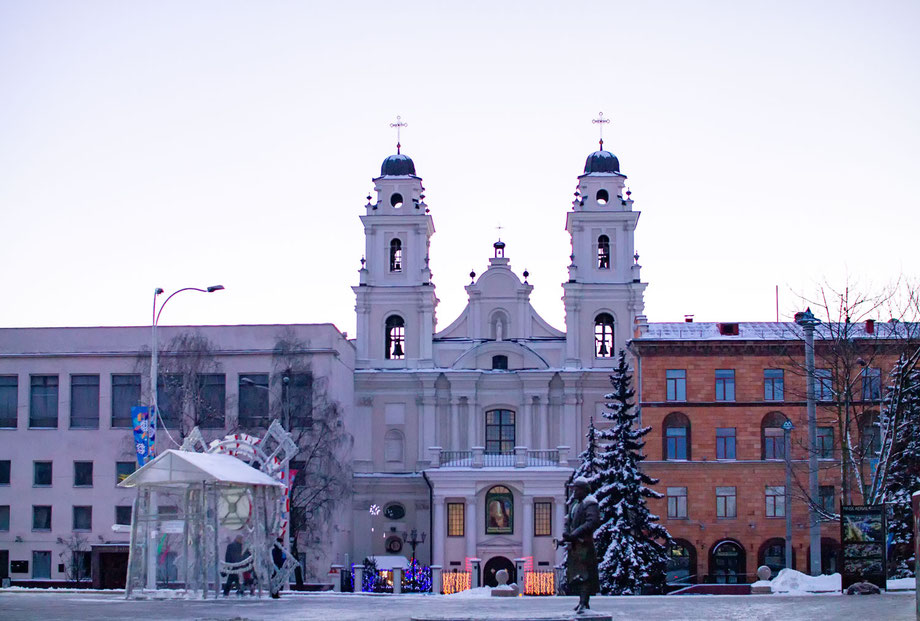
(539,583)
(454,582)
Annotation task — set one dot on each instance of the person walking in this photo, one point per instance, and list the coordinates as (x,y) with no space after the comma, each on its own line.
(278,560)
(234,555)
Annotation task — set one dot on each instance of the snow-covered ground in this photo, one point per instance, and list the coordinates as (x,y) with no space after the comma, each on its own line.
(792,582)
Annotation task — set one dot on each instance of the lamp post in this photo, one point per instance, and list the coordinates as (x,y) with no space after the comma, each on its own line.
(808,322)
(155,413)
(413,539)
(787,490)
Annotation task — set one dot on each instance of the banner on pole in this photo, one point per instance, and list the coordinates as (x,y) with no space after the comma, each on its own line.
(141,419)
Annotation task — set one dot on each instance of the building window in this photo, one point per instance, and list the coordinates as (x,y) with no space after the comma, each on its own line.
(81,565)
(123,469)
(455,519)
(396,255)
(676,380)
(773,554)
(677,502)
(9,401)
(499,363)
(393,446)
(297,399)
(676,436)
(500,432)
(773,384)
(826,498)
(824,385)
(41,474)
(126,393)
(772,436)
(725,443)
(825,442)
(43,405)
(603,252)
(170,399)
(82,518)
(726,506)
(84,402)
(870,441)
(603,336)
(725,384)
(776,501)
(5,471)
(253,400)
(211,400)
(681,563)
(41,517)
(871,384)
(83,474)
(499,511)
(395,338)
(542,519)
(41,564)
(123,515)
(4,520)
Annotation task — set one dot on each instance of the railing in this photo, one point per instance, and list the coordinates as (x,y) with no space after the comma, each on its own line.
(544,457)
(456,459)
(498,460)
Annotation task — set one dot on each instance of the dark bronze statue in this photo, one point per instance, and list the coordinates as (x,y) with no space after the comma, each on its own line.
(581,565)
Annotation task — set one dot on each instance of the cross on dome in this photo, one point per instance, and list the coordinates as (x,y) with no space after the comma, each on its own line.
(601,121)
(398,125)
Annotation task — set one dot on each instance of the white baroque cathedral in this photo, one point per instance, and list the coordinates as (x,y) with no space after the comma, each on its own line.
(471,432)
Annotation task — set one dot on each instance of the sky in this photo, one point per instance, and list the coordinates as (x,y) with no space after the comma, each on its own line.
(175,144)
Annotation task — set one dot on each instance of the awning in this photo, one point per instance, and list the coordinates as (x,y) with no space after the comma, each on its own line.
(180,468)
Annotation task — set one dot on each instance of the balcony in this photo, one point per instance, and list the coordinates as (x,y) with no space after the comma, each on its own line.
(522,457)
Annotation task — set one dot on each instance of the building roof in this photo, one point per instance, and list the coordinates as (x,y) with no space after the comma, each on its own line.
(180,468)
(602,162)
(397,165)
(769,331)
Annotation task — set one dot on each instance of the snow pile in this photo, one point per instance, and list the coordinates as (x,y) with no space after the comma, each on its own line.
(792,581)
(473,593)
(902,584)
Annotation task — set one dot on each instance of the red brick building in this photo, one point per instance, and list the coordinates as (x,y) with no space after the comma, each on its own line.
(715,397)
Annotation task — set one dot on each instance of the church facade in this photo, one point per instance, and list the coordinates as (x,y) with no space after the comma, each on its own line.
(471,432)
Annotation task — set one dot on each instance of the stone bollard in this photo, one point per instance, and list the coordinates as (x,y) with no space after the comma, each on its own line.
(359,578)
(397,580)
(762,586)
(436,579)
(337,579)
(519,565)
(475,573)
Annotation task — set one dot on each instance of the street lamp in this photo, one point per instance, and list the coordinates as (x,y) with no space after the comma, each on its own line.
(787,493)
(413,539)
(808,322)
(155,413)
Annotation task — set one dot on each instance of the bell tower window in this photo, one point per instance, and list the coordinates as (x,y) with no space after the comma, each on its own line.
(603,252)
(602,197)
(396,338)
(603,336)
(396,255)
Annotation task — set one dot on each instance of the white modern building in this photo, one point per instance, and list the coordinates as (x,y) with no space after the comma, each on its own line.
(467,433)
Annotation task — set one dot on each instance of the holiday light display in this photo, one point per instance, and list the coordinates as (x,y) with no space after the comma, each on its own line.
(539,583)
(454,582)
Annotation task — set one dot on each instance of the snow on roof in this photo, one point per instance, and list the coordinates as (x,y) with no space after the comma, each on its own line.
(183,467)
(386,562)
(769,331)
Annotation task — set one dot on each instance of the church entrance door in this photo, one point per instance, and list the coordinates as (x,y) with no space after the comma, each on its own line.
(491,568)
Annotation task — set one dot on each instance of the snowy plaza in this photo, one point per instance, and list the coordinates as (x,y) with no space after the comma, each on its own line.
(15,606)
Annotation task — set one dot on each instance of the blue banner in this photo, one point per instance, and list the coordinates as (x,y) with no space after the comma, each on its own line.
(140,417)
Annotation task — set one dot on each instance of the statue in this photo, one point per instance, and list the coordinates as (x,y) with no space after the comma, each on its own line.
(581,564)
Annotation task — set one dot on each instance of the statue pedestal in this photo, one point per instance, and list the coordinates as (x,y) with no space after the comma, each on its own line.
(588,616)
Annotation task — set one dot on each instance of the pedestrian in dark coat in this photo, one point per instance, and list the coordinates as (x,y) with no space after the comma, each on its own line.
(278,560)
(581,562)
(234,554)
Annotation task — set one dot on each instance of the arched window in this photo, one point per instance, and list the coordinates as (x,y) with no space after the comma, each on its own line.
(773,555)
(499,511)
(772,440)
(396,255)
(500,432)
(681,563)
(676,436)
(603,336)
(393,446)
(396,338)
(727,562)
(603,252)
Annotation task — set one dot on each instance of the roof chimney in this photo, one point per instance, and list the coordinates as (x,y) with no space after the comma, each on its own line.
(870,326)
(688,318)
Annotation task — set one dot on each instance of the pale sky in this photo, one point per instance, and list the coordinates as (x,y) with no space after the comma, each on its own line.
(172,144)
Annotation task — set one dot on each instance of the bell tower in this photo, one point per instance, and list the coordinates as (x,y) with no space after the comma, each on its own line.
(604,292)
(395,298)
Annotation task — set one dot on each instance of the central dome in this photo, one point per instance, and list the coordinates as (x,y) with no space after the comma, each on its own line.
(602,162)
(397,166)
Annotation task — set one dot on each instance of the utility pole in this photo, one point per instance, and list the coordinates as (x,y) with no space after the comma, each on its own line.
(808,322)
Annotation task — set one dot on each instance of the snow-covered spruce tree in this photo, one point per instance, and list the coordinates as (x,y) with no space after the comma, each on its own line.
(631,545)
(589,461)
(900,419)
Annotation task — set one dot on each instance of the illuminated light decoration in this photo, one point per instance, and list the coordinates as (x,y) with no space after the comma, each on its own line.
(417,578)
(539,583)
(454,582)
(375,510)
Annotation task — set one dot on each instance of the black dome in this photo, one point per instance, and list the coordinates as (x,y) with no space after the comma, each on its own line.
(397,165)
(602,162)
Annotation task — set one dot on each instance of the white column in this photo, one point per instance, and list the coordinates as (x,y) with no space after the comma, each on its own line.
(469,527)
(454,424)
(528,526)
(439,535)
(558,525)
(527,423)
(472,439)
(542,415)
(569,424)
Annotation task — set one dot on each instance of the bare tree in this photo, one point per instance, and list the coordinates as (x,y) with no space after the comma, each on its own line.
(75,558)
